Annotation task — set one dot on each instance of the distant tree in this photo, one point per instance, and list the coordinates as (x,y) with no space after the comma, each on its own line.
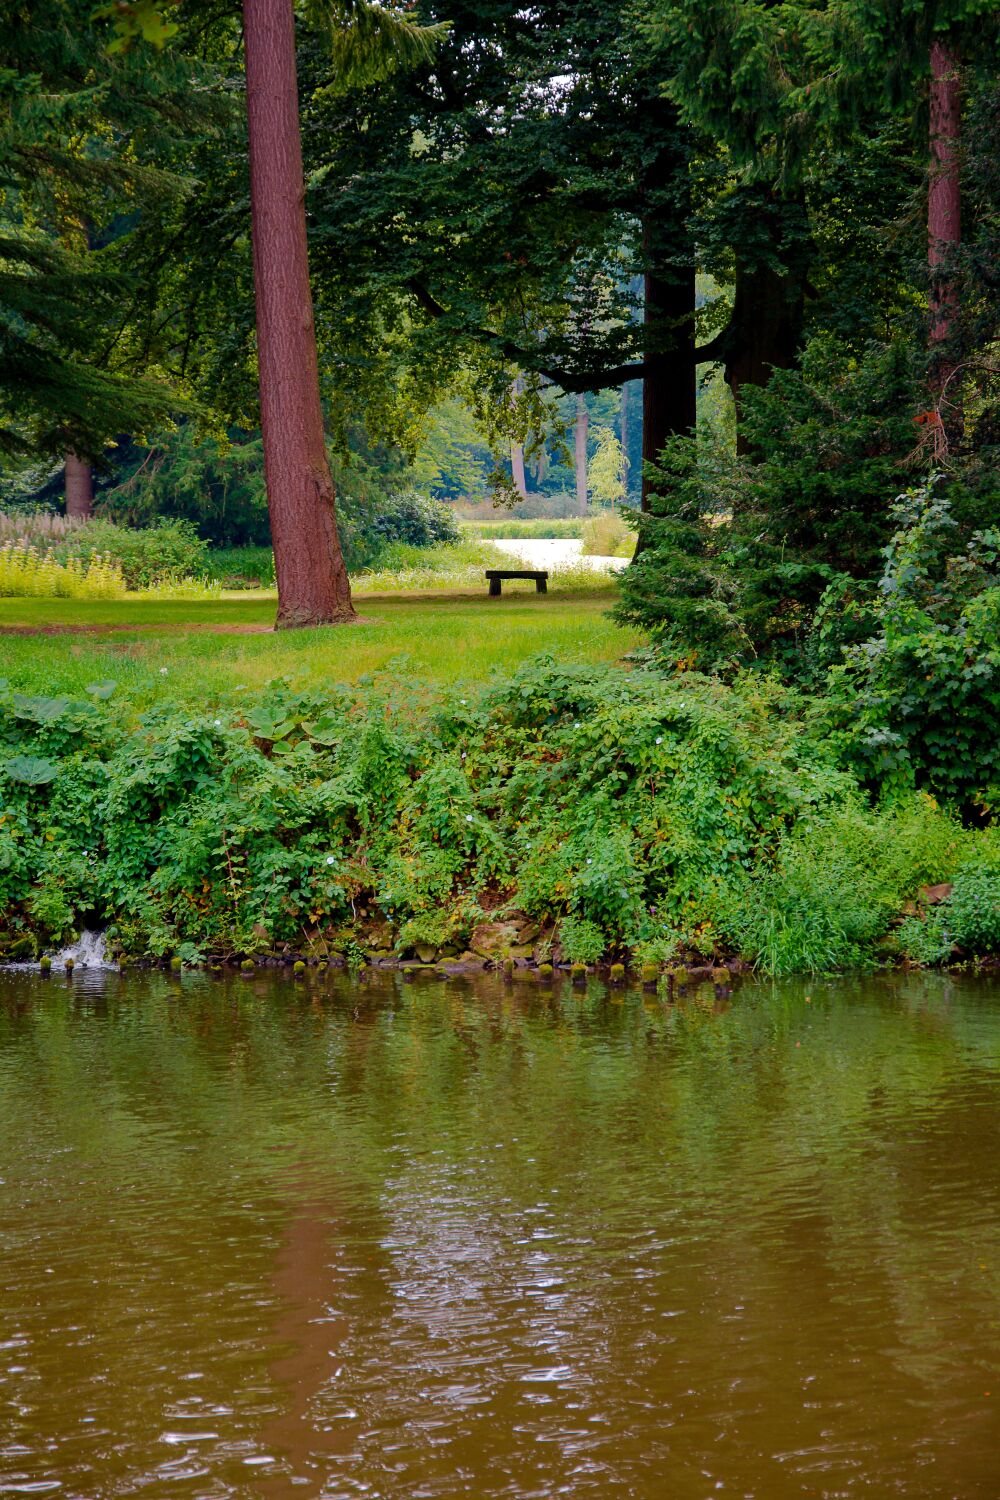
(607,468)
(580,455)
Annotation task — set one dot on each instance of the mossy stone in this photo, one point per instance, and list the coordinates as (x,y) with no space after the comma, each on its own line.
(248,966)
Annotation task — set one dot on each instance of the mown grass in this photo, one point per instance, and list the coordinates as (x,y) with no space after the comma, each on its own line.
(165,651)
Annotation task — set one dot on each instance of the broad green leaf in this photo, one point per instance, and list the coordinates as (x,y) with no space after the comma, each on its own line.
(31,770)
(39,710)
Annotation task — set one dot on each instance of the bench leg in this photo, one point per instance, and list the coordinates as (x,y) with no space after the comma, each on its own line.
(541,585)
(494,588)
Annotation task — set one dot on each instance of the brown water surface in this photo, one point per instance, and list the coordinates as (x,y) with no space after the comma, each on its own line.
(445,1238)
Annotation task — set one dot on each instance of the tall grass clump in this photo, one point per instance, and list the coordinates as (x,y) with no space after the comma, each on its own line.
(837,883)
(27,573)
(607,535)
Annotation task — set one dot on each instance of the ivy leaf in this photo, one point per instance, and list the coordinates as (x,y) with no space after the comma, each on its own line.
(31,770)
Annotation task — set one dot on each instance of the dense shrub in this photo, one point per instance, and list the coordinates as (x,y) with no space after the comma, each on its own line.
(617,809)
(217,487)
(401,518)
(739,552)
(836,884)
(162,552)
(919,701)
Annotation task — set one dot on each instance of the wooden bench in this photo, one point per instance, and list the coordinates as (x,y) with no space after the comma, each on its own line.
(496,575)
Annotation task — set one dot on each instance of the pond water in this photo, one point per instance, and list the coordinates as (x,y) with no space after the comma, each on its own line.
(555,552)
(448,1238)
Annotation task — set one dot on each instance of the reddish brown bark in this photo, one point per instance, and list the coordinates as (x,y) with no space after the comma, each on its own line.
(582,424)
(313,587)
(79,482)
(944,205)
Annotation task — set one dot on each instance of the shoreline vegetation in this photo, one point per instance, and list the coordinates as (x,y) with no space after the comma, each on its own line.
(568,813)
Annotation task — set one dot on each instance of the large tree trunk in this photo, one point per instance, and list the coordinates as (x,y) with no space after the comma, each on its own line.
(767,322)
(944,215)
(772,269)
(582,422)
(313,587)
(79,481)
(668,391)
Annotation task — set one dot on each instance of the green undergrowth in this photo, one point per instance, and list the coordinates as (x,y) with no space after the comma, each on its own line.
(602,809)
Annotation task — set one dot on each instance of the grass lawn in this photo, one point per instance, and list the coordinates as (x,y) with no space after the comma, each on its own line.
(164,654)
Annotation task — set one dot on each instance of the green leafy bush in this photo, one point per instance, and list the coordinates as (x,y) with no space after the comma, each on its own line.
(613,808)
(969,920)
(919,701)
(582,942)
(972,912)
(772,555)
(216,486)
(837,883)
(163,552)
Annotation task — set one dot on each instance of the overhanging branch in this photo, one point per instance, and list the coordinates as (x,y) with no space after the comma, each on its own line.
(570,381)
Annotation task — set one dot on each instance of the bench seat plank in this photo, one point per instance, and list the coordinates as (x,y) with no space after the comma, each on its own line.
(496,575)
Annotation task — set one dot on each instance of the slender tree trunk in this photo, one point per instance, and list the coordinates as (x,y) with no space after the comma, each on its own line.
(582,422)
(313,587)
(79,481)
(668,391)
(944,211)
(517,469)
(517,451)
(623,425)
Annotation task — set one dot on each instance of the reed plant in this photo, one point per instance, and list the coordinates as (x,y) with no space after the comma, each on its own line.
(40,529)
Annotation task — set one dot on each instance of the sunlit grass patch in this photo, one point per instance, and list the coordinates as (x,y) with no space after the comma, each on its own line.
(168,649)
